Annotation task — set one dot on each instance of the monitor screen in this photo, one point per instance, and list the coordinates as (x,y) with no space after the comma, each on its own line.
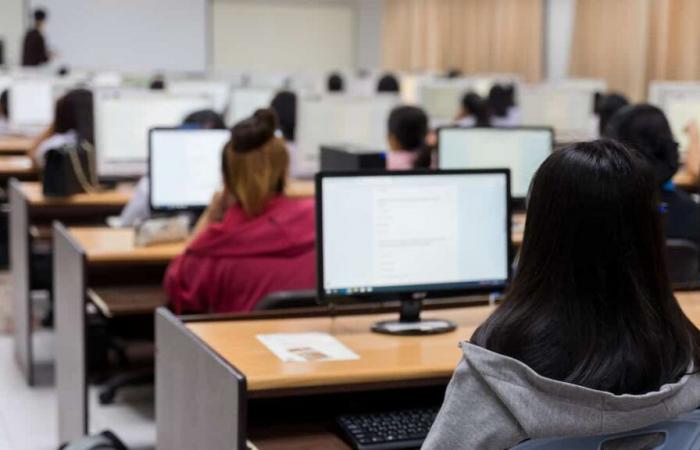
(681,109)
(522,150)
(31,103)
(245,101)
(567,109)
(218,91)
(185,167)
(122,123)
(435,232)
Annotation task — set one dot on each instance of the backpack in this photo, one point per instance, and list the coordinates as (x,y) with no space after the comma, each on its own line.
(69,170)
(103,441)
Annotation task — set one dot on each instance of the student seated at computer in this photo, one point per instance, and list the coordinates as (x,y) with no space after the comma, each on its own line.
(73,123)
(645,128)
(408,130)
(284,103)
(138,209)
(252,240)
(501,102)
(589,339)
(475,111)
(335,83)
(388,84)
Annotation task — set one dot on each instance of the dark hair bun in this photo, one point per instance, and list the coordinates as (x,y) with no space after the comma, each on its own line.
(252,133)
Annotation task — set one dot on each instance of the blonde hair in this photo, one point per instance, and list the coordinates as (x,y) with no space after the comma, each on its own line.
(255,163)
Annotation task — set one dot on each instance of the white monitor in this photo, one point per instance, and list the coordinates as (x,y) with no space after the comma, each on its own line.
(522,150)
(421,232)
(442,99)
(680,101)
(218,91)
(245,101)
(123,120)
(339,119)
(567,106)
(31,103)
(185,167)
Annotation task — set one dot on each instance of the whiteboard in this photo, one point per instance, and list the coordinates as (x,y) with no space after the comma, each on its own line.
(128,35)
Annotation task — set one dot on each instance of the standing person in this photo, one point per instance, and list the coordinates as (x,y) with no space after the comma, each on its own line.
(34,50)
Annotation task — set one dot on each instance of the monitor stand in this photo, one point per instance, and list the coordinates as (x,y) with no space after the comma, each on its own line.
(410,323)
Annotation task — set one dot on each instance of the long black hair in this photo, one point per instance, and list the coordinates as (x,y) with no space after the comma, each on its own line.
(473,104)
(74,113)
(591,303)
(285,105)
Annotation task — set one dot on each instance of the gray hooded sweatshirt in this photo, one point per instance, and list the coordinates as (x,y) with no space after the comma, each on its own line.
(495,402)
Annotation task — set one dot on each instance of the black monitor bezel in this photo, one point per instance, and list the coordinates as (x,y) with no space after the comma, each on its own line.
(423,294)
(149,167)
(519,201)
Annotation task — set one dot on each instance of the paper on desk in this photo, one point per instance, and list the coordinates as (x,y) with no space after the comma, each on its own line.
(306,347)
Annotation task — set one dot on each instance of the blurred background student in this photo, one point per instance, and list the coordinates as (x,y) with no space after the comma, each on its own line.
(252,240)
(474,112)
(407,133)
(73,123)
(646,129)
(35,51)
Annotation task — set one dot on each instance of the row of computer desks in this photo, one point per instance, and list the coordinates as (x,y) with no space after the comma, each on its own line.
(218,381)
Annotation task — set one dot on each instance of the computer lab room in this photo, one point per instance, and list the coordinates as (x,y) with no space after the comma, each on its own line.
(349,225)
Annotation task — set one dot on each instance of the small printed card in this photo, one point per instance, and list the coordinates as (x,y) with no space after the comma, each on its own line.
(307,347)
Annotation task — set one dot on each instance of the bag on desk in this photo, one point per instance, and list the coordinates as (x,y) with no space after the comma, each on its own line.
(69,170)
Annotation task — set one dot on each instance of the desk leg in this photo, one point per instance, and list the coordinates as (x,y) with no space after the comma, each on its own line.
(19,275)
(71,359)
(200,399)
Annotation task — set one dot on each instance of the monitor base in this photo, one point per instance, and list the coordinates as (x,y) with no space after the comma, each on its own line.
(421,327)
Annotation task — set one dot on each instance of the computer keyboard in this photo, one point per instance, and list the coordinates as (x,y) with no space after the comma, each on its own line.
(388,431)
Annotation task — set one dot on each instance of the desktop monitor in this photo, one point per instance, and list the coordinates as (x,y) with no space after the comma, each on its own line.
(218,91)
(184,167)
(31,103)
(339,119)
(349,158)
(122,123)
(522,150)
(244,102)
(412,235)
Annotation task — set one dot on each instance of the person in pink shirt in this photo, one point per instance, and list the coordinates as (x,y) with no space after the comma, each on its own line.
(408,129)
(252,240)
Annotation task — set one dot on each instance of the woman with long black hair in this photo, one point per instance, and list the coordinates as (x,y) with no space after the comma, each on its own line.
(589,339)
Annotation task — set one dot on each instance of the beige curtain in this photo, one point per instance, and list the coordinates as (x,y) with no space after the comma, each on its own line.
(471,35)
(632,42)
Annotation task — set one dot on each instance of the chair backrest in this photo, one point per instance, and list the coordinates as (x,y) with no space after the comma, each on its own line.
(288,300)
(682,433)
(683,260)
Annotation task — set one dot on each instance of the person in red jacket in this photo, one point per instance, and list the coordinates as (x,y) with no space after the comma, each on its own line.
(252,240)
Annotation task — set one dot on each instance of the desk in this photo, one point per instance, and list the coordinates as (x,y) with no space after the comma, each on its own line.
(16,166)
(15,145)
(28,207)
(238,371)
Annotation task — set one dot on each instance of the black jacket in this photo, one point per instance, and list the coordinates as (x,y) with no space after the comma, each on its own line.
(34,51)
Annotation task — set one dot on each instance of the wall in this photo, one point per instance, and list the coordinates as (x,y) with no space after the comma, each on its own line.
(369,33)
(558,37)
(275,35)
(12,24)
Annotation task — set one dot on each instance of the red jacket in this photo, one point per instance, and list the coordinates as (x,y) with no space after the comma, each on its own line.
(234,264)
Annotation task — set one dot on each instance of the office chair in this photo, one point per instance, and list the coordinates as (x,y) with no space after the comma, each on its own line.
(288,300)
(683,261)
(682,433)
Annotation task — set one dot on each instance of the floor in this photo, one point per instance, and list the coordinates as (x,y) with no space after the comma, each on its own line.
(28,416)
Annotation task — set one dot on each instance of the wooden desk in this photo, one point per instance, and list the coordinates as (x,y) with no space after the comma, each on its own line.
(116,246)
(300,188)
(15,145)
(29,208)
(238,371)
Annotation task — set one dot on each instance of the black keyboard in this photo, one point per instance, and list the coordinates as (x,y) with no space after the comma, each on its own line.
(388,431)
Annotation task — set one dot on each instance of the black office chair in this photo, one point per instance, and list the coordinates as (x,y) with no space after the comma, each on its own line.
(288,300)
(683,262)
